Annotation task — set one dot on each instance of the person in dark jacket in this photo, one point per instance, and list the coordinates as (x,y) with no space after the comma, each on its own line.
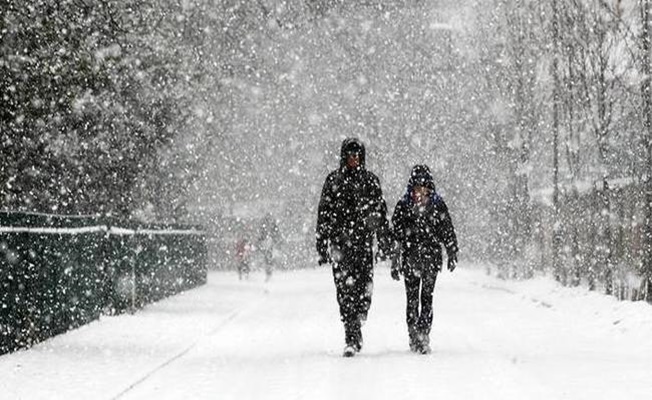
(351,213)
(242,250)
(422,225)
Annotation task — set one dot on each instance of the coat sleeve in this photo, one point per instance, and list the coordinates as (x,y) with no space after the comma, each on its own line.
(398,233)
(325,217)
(398,223)
(447,232)
(380,220)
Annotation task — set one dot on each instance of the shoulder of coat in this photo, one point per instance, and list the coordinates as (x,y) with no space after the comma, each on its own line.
(333,175)
(373,178)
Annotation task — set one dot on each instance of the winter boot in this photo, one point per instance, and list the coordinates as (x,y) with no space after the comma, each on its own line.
(414,340)
(424,343)
(353,335)
(357,345)
(349,351)
(353,339)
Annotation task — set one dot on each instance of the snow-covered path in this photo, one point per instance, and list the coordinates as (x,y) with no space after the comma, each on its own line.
(283,340)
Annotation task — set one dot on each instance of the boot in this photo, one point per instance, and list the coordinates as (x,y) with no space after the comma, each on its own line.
(358,341)
(424,343)
(415,343)
(349,351)
(353,336)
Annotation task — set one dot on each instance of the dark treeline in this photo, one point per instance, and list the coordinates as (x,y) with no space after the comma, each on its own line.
(92,93)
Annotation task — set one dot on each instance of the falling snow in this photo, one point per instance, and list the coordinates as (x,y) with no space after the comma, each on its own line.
(193,121)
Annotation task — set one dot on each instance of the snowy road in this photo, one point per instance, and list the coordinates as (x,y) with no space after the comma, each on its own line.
(492,339)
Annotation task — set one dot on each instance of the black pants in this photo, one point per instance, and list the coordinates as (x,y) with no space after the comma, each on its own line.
(353,276)
(419,288)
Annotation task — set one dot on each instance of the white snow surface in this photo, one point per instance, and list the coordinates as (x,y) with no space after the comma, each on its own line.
(492,339)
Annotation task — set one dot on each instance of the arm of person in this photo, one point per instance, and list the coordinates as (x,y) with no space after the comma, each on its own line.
(324,221)
(379,221)
(398,235)
(447,235)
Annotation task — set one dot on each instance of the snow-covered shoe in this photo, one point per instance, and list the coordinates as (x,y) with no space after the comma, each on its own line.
(424,348)
(424,344)
(349,351)
(415,343)
(357,345)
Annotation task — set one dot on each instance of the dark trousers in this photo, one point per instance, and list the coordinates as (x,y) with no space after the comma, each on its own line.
(353,277)
(419,288)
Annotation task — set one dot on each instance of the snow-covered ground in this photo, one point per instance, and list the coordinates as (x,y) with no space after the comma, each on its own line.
(492,339)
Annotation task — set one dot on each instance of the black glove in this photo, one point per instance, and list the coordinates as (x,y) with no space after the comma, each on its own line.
(396,275)
(452,261)
(322,250)
(396,266)
(385,250)
(382,255)
(324,259)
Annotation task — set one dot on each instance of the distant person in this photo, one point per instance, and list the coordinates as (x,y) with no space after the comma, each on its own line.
(268,239)
(422,225)
(351,213)
(242,250)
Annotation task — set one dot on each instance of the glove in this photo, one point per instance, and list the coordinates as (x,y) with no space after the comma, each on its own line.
(322,250)
(396,268)
(385,250)
(452,261)
(324,259)
(396,274)
(382,255)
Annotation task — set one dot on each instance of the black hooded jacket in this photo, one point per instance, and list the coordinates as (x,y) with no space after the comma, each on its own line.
(352,209)
(421,231)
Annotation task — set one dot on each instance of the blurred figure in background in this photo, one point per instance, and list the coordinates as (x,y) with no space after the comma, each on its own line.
(242,252)
(268,239)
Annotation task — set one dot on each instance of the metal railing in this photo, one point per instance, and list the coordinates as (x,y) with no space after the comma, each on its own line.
(60,272)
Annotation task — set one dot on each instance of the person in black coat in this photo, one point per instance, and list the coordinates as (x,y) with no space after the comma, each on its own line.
(351,213)
(422,224)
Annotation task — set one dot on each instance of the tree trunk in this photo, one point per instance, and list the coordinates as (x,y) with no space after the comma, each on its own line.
(647,109)
(607,239)
(572,157)
(556,265)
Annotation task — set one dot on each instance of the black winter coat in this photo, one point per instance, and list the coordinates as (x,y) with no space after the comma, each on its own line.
(421,231)
(352,209)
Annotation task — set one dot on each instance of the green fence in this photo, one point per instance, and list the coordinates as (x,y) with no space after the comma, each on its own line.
(148,263)
(58,272)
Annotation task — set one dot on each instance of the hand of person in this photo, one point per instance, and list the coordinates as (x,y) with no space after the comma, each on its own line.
(324,254)
(385,249)
(396,275)
(396,267)
(324,259)
(452,261)
(382,254)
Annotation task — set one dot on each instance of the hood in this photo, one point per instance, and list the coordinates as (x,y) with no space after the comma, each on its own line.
(351,145)
(421,176)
